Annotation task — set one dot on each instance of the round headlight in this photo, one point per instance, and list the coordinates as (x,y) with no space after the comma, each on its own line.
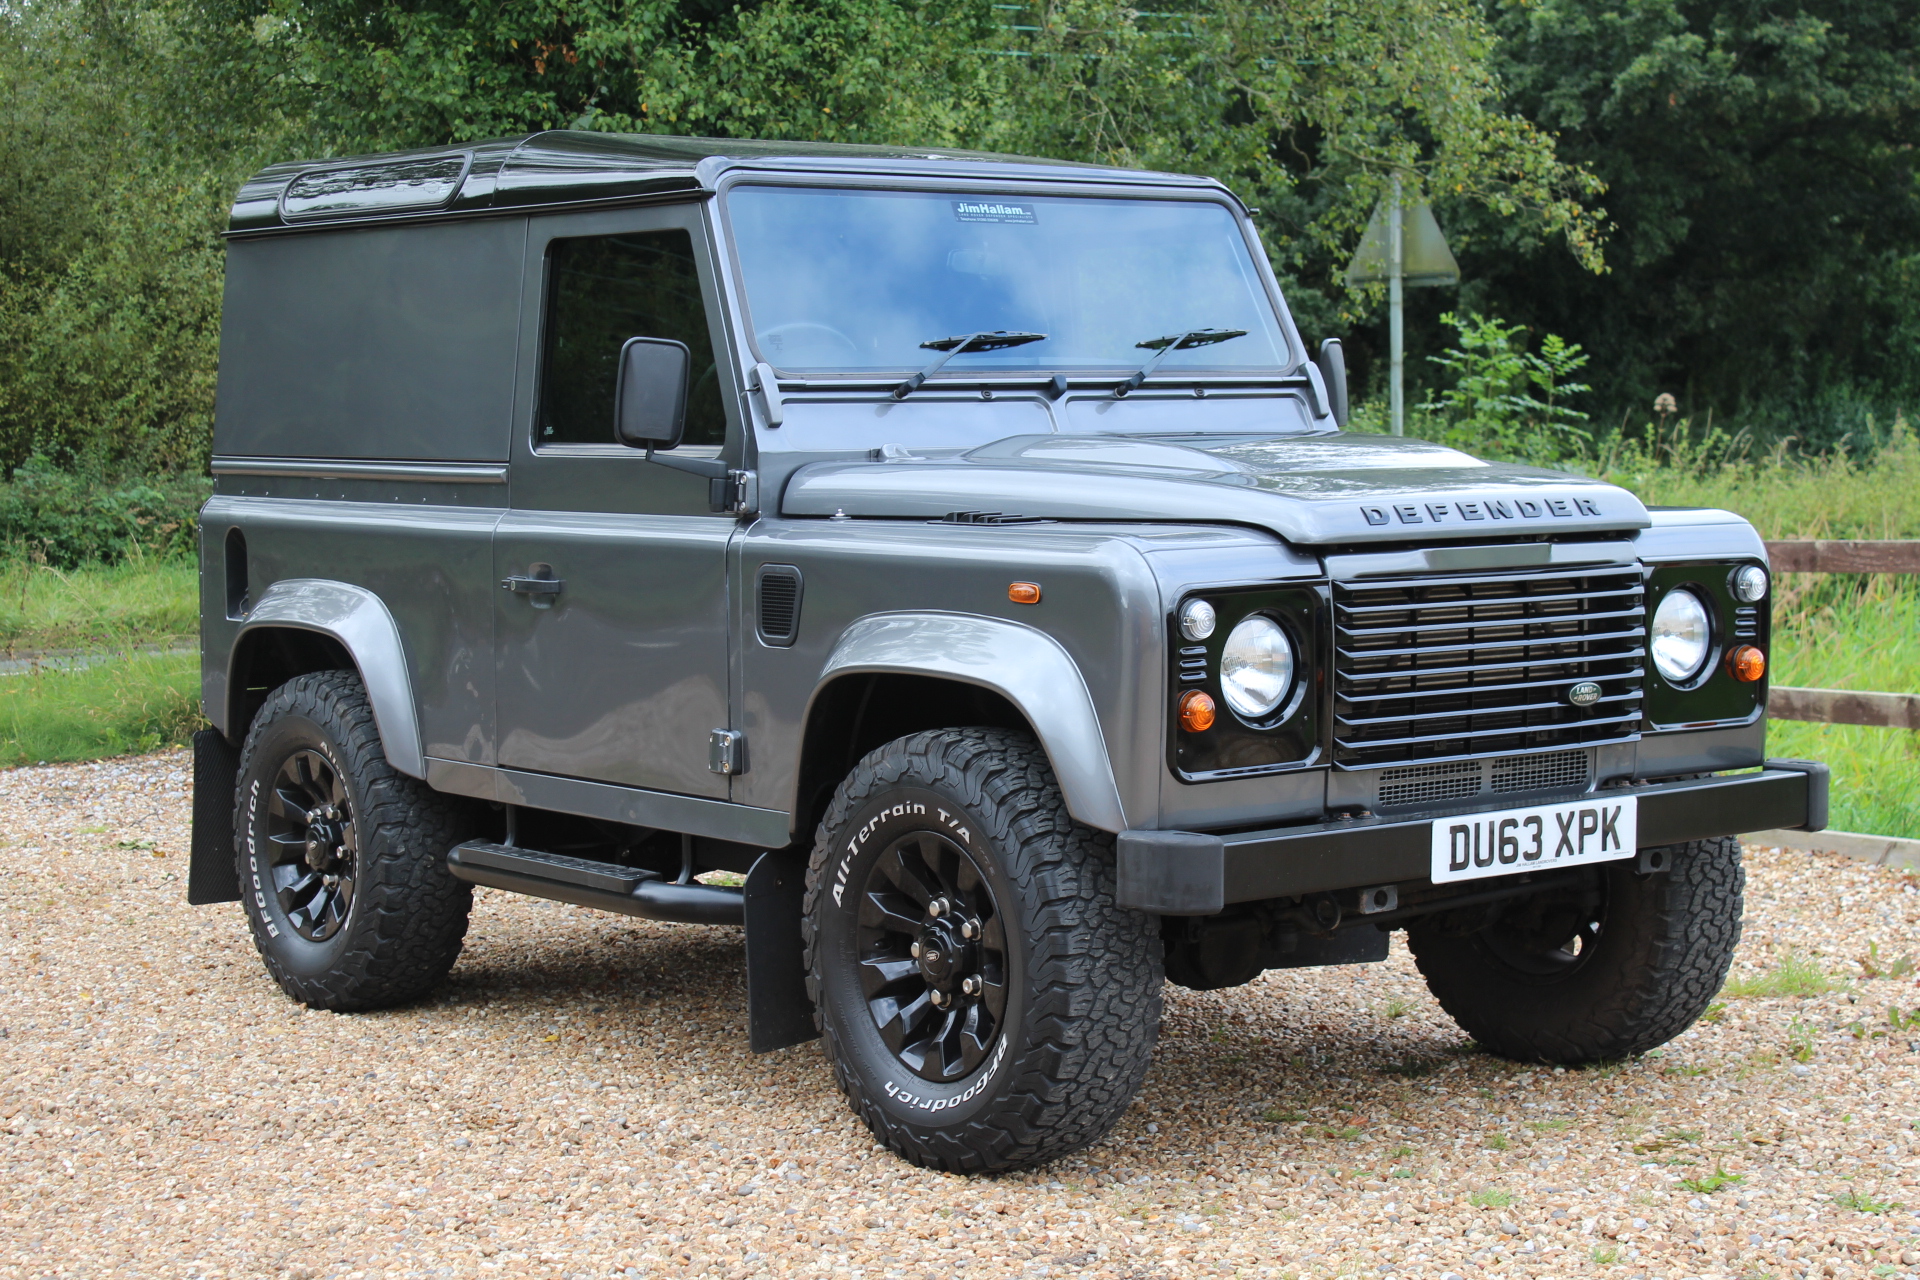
(1681,636)
(1749,583)
(1256,667)
(1196,620)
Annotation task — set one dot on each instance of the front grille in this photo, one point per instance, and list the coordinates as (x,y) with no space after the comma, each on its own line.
(1427,784)
(1439,668)
(1550,772)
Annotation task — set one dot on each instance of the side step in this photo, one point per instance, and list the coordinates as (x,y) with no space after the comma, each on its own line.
(609,886)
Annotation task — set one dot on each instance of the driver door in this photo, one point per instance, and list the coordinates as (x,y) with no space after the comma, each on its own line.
(619,674)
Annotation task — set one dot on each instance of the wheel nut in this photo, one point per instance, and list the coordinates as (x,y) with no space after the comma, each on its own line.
(971,985)
(968,929)
(939,999)
(937,908)
(916,950)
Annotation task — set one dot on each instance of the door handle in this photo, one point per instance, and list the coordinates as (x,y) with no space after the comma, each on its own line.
(538,585)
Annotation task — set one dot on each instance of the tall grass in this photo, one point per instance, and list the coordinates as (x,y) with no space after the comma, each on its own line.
(1785,494)
(151,602)
(138,703)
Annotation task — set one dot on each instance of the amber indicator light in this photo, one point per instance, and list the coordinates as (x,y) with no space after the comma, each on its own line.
(1024,592)
(1746,664)
(1196,711)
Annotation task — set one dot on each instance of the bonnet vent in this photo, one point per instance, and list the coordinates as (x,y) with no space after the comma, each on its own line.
(779,604)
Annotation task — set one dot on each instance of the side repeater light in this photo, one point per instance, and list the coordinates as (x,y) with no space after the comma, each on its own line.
(1746,664)
(1196,711)
(1023,592)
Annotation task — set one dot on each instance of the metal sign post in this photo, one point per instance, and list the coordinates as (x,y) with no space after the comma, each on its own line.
(1396,313)
(1403,245)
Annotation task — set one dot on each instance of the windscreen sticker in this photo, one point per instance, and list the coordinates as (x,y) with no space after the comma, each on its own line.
(992,211)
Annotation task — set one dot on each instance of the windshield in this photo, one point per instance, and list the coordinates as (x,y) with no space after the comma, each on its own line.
(857,281)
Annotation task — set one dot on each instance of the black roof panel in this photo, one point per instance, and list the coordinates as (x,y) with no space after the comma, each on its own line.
(567,167)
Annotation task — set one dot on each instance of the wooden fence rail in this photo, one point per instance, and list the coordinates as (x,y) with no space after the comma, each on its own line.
(1823,556)
(1845,706)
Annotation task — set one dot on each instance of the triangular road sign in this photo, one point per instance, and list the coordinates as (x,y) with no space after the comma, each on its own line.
(1425,258)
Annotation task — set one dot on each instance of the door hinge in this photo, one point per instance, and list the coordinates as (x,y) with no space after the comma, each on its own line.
(727,752)
(736,491)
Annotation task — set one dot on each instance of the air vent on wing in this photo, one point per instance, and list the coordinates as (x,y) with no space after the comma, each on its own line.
(779,604)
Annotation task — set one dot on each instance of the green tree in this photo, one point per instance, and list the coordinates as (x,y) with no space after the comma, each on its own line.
(109,263)
(1305,107)
(1764,193)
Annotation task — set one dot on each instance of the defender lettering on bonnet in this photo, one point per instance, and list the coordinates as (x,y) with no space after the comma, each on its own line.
(1483,509)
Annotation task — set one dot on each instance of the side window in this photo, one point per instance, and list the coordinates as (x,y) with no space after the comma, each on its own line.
(602,290)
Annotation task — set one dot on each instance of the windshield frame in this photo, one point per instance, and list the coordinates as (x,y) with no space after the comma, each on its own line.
(1013,185)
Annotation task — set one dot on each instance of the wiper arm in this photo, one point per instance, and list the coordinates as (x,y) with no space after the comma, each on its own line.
(951,347)
(1167,346)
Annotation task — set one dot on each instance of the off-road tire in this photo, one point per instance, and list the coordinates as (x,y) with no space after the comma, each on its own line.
(1661,954)
(1083,976)
(408,916)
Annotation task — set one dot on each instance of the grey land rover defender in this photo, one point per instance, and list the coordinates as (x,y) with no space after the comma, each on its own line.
(967,550)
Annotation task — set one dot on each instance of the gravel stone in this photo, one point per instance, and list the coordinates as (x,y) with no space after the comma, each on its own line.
(578,1100)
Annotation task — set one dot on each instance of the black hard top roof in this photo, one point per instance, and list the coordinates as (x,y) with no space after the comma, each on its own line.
(567,168)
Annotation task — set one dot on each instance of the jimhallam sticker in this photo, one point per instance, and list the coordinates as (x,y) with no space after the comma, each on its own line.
(992,211)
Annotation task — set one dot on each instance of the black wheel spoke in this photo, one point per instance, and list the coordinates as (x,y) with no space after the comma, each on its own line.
(892,912)
(901,1020)
(886,973)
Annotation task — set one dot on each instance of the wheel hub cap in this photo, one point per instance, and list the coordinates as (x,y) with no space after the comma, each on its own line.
(943,957)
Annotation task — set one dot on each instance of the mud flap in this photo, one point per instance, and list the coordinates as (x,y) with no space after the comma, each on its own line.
(779,1013)
(211,875)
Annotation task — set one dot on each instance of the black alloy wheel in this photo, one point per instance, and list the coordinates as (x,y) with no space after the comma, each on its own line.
(984,1001)
(933,956)
(341,859)
(314,848)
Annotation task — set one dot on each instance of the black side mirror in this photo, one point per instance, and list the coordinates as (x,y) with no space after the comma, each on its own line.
(650,396)
(1333,370)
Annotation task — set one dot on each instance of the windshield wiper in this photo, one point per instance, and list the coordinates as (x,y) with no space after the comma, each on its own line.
(948,348)
(1169,344)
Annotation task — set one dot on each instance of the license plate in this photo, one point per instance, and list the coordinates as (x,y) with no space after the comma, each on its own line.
(1540,836)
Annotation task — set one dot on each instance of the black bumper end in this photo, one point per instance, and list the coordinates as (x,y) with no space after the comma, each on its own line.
(1186,873)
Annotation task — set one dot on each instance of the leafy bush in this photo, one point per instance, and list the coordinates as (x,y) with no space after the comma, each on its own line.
(64,519)
(1506,401)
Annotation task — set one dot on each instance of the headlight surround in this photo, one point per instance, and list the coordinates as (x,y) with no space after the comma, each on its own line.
(1681,637)
(1256,667)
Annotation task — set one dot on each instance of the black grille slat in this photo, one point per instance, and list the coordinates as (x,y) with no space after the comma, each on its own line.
(1366,611)
(1467,711)
(1501,644)
(1452,666)
(1559,682)
(1628,653)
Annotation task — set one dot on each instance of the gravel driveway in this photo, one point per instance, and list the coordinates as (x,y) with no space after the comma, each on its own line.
(578,1101)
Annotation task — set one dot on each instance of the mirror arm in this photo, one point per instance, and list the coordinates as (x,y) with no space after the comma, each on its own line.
(711,468)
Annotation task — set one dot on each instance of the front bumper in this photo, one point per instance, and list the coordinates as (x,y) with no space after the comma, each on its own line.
(1185,873)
